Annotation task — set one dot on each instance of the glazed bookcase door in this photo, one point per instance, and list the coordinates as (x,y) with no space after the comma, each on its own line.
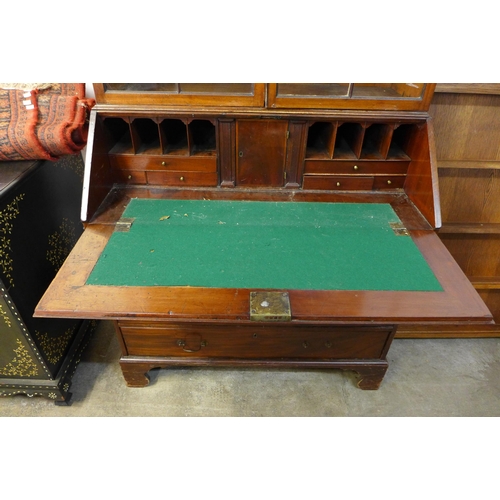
(181,94)
(373,96)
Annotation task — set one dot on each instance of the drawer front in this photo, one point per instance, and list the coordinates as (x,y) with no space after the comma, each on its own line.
(338,183)
(181,178)
(130,176)
(255,340)
(389,182)
(355,167)
(169,163)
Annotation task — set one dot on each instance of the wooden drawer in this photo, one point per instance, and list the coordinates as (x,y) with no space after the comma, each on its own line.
(180,178)
(255,340)
(187,164)
(389,182)
(130,177)
(355,167)
(338,183)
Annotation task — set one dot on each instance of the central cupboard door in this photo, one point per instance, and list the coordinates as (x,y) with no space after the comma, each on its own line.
(260,152)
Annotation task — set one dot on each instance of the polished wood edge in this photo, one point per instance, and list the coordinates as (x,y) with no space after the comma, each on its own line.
(469,164)
(468,88)
(485,282)
(470,228)
(244,112)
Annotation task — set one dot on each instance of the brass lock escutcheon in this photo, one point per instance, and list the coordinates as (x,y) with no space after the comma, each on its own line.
(192,342)
(270,306)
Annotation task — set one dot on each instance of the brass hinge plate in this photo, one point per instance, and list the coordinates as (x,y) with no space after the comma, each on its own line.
(399,229)
(270,306)
(124,224)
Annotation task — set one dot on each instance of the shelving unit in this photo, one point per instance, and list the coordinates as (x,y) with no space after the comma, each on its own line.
(158,150)
(356,156)
(467,133)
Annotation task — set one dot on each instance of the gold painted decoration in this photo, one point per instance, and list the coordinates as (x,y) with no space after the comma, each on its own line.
(5,316)
(7,217)
(60,243)
(54,347)
(22,365)
(74,163)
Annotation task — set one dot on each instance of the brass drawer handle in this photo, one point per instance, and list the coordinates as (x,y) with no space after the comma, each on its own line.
(181,178)
(389,182)
(163,163)
(355,167)
(194,344)
(338,184)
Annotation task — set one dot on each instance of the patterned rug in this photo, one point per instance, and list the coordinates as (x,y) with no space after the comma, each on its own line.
(44,122)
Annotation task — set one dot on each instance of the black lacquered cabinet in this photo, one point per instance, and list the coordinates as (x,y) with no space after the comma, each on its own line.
(39,224)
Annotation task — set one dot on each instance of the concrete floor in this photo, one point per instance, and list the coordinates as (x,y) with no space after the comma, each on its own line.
(426,377)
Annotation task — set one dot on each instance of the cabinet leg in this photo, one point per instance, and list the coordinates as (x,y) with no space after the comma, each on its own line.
(66,401)
(371,376)
(135,374)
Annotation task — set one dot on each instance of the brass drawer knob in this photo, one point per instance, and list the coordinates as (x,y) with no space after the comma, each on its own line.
(163,163)
(338,184)
(355,167)
(389,182)
(181,178)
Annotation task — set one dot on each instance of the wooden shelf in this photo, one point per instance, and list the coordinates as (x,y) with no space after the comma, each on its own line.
(470,228)
(468,88)
(485,282)
(469,164)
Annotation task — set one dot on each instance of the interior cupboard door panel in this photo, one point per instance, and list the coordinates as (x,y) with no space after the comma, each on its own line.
(261,152)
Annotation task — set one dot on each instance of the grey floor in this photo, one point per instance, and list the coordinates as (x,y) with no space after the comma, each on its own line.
(426,377)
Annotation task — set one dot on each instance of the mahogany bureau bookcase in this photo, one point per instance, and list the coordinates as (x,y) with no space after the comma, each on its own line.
(261,225)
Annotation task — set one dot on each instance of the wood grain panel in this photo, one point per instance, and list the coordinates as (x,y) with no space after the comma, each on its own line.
(470,195)
(468,126)
(477,254)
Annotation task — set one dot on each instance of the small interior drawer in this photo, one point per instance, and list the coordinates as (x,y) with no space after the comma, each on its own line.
(337,182)
(389,182)
(181,178)
(355,167)
(187,164)
(130,176)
